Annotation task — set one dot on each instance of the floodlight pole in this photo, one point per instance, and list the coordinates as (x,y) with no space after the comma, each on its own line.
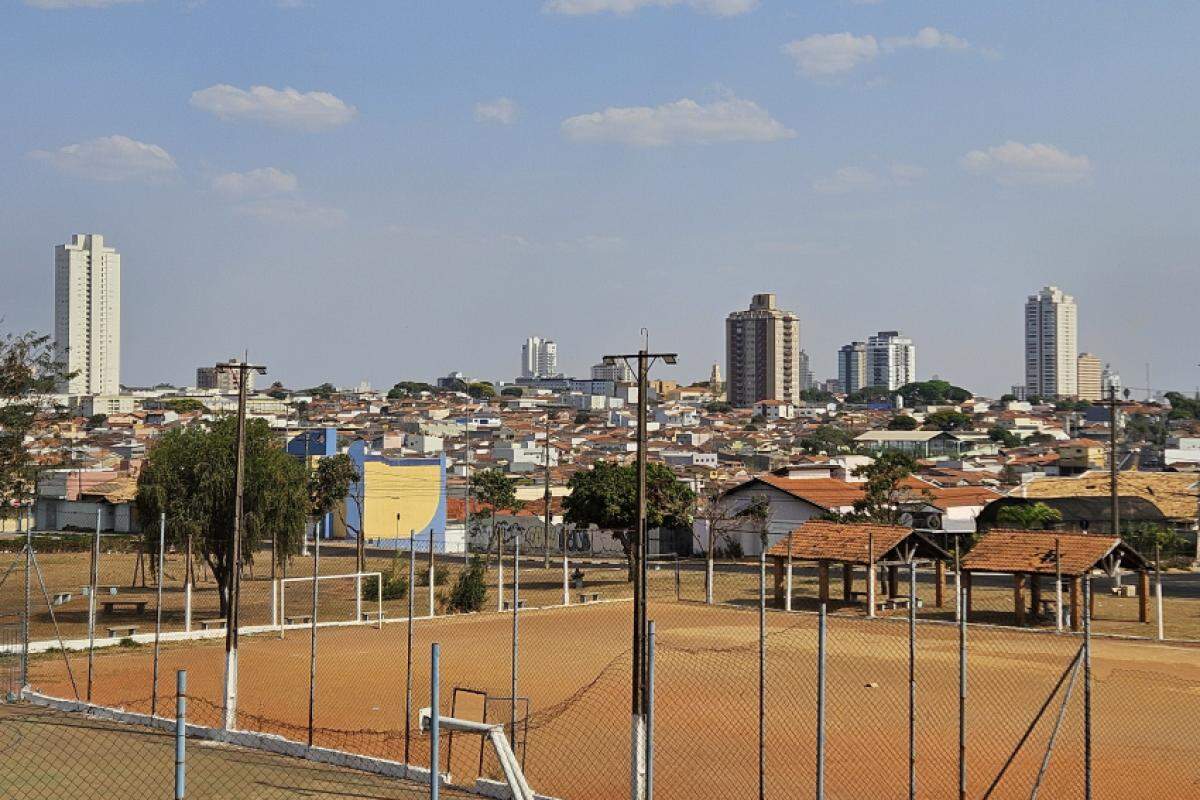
(1113,464)
(229,704)
(640,675)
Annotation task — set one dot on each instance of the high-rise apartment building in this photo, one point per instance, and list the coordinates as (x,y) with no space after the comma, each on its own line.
(891,360)
(539,358)
(762,346)
(1091,377)
(223,380)
(1051,350)
(806,376)
(617,372)
(852,366)
(87,315)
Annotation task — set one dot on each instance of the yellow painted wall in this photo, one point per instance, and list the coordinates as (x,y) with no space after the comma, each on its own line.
(413,492)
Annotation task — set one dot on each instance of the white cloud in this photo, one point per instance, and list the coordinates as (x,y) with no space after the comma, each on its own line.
(927,39)
(1016,163)
(261,182)
(848,179)
(717,8)
(904,174)
(55,5)
(284,108)
(822,55)
(501,110)
(728,119)
(110,158)
(291,211)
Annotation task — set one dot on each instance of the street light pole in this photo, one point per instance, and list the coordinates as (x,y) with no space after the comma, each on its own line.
(640,674)
(229,704)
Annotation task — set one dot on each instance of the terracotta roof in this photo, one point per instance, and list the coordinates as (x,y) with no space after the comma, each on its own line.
(1173,492)
(819,540)
(945,497)
(827,493)
(1002,550)
(118,490)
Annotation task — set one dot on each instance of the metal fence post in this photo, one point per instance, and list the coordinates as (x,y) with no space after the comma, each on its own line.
(677,586)
(180,732)
(25,625)
(962,699)
(762,674)
(822,623)
(432,581)
(412,577)
(434,719)
(1058,599)
(94,581)
(650,712)
(312,646)
(516,637)
(787,597)
(162,533)
(1158,600)
(912,680)
(1087,687)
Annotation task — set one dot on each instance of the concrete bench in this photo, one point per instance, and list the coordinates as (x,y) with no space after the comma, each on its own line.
(1127,590)
(137,606)
(62,598)
(902,602)
(372,616)
(298,619)
(589,597)
(508,604)
(128,630)
(210,624)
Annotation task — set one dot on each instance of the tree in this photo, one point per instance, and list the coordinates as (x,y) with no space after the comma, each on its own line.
(469,590)
(499,491)
(1182,407)
(96,421)
(1031,517)
(28,371)
(884,491)
(481,390)
(328,486)
(408,389)
(718,407)
(183,405)
(606,496)
(1005,437)
(1008,398)
(189,476)
(324,391)
(933,393)
(828,439)
(816,396)
(948,421)
(902,422)
(277,391)
(870,394)
(512,391)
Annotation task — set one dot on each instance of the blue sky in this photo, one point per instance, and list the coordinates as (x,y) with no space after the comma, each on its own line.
(389,190)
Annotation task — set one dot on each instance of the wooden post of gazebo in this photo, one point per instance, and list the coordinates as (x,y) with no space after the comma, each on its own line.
(892,581)
(939,583)
(1035,596)
(1019,597)
(1143,596)
(966,584)
(823,580)
(847,581)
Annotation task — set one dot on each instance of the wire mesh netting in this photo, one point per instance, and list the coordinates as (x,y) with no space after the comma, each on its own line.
(357,686)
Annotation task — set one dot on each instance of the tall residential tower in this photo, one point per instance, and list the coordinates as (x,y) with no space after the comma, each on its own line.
(891,360)
(762,347)
(1051,349)
(539,358)
(87,315)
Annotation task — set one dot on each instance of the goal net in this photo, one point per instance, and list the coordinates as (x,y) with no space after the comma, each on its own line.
(356,597)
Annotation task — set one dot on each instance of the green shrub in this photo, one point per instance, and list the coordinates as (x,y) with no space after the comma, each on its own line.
(395,586)
(469,590)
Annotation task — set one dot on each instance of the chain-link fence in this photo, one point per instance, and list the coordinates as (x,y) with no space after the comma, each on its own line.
(329,696)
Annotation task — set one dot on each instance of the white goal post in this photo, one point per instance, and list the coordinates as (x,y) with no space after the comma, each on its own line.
(360,617)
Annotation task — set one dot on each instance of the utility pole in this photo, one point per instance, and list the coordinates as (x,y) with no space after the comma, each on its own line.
(1113,463)
(467,506)
(229,706)
(639,745)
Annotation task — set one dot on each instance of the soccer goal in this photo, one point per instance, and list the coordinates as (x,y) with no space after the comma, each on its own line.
(356,597)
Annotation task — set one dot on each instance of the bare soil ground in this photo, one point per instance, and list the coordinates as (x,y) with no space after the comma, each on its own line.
(575,668)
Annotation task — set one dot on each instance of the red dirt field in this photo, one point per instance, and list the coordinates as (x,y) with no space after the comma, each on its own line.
(575,664)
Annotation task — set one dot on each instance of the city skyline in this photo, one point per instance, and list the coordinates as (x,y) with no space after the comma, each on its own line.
(286,177)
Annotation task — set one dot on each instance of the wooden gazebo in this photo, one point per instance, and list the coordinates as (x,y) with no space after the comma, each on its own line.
(1030,555)
(856,545)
